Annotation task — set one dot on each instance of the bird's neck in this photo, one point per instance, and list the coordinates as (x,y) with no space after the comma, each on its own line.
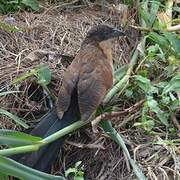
(105,46)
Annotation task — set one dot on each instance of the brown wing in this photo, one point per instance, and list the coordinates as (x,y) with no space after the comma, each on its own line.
(92,87)
(68,85)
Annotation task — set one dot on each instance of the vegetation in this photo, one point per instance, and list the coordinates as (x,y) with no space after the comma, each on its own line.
(8,6)
(150,84)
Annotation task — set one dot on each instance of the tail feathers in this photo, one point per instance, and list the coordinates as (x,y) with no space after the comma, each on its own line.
(45,123)
(49,124)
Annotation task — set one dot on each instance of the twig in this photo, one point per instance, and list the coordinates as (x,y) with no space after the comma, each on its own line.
(111,115)
(90,146)
(169,29)
(175,122)
(174,28)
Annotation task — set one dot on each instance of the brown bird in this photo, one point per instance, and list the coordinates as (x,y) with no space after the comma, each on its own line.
(86,82)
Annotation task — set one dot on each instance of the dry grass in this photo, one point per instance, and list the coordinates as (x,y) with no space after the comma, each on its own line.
(62,32)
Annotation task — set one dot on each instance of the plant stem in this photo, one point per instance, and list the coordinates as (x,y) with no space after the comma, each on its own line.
(45,141)
(115,136)
(64,132)
(124,81)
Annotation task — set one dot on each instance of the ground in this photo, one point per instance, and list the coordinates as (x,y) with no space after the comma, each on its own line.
(61,32)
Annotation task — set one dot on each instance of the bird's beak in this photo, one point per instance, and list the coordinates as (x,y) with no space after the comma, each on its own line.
(117,33)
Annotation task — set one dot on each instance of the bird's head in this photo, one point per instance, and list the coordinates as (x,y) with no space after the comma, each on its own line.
(103,32)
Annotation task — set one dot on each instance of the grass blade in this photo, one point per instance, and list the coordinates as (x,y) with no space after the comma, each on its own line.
(12,168)
(14,117)
(9,137)
(7,92)
(107,127)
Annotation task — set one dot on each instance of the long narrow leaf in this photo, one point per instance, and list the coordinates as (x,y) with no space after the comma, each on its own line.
(14,117)
(3,176)
(107,127)
(12,168)
(9,137)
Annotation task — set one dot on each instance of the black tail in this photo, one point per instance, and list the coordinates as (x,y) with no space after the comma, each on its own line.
(49,124)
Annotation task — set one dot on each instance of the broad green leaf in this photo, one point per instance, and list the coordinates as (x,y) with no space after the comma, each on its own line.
(43,75)
(153,11)
(14,117)
(144,14)
(143,83)
(163,117)
(148,15)
(159,39)
(13,168)
(33,4)
(10,137)
(154,106)
(174,40)
(173,85)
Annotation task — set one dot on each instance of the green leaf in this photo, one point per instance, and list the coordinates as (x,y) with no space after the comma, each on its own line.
(43,75)
(153,11)
(142,79)
(10,137)
(107,127)
(144,14)
(145,124)
(173,85)
(14,117)
(174,40)
(120,72)
(143,82)
(33,4)
(174,105)
(70,171)
(152,50)
(153,105)
(159,39)
(13,168)
(163,117)
(148,15)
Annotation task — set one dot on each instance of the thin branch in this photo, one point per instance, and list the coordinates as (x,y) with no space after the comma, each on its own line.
(116,114)
(175,122)
(169,29)
(90,146)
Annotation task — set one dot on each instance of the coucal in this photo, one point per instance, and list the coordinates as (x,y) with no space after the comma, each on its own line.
(85,83)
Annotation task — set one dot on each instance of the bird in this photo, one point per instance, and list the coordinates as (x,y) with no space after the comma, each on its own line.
(85,83)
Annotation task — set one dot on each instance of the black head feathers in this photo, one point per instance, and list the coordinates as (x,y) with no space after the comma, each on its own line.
(103,32)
